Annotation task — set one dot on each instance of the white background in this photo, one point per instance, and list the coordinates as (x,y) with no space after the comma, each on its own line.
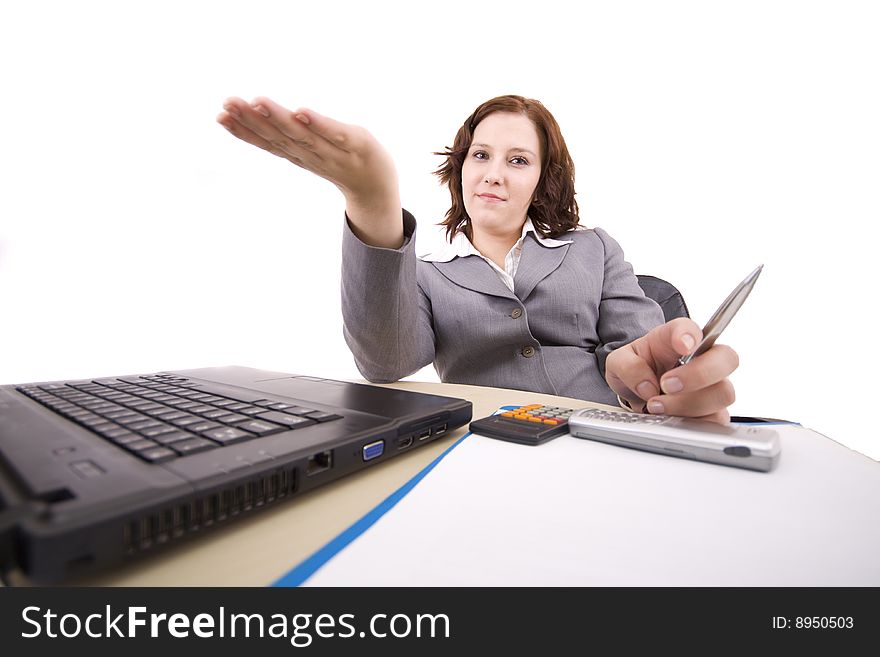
(137,235)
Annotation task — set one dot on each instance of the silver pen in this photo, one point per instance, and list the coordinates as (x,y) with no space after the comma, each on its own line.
(721,318)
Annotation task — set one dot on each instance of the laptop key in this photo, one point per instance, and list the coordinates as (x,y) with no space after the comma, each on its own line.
(295,410)
(289,421)
(152,432)
(180,403)
(106,429)
(193,446)
(159,412)
(138,445)
(261,427)
(186,420)
(216,414)
(140,426)
(157,454)
(227,435)
(126,438)
(92,420)
(249,410)
(129,420)
(168,416)
(232,418)
(199,427)
(321,416)
(176,437)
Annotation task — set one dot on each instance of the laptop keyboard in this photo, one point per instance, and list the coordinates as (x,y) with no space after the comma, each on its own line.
(160,417)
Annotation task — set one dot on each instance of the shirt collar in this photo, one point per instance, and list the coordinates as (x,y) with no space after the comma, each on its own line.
(461,246)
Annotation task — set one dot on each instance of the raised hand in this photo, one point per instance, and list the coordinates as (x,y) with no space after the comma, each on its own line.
(346,155)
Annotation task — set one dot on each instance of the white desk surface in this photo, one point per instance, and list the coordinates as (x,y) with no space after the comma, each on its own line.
(821,493)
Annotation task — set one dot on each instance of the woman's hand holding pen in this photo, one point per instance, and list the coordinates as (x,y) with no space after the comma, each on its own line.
(646,374)
(346,155)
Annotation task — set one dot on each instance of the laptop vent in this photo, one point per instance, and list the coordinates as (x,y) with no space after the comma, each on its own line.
(170,523)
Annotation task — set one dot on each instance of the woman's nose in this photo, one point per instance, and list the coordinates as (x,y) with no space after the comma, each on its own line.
(493,176)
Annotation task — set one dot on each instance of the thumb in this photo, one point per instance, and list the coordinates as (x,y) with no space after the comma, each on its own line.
(665,344)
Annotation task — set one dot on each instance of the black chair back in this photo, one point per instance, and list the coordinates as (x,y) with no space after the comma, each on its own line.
(665,294)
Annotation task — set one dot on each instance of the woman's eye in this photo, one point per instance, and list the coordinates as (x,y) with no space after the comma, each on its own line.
(519,160)
(480,155)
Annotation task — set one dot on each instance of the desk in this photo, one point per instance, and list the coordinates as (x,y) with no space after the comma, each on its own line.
(258,550)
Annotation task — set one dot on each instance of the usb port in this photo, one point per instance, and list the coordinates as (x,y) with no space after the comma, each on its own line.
(440,430)
(403,443)
(425,434)
(374,450)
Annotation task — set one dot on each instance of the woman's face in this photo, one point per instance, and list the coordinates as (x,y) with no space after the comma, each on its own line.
(500,172)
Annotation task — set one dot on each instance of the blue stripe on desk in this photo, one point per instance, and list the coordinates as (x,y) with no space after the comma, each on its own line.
(308,567)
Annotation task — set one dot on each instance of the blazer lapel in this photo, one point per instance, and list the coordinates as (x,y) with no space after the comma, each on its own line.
(536,263)
(474,273)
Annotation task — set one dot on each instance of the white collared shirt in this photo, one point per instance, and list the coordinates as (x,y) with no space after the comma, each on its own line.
(461,247)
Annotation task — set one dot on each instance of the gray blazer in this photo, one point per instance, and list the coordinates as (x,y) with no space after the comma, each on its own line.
(571,306)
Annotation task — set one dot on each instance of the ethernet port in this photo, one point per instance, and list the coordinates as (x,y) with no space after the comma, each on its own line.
(319,463)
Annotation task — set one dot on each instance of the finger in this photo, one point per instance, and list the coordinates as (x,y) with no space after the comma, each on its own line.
(681,336)
(703,402)
(719,417)
(295,128)
(342,135)
(705,370)
(665,344)
(630,376)
(684,335)
(247,116)
(244,133)
(239,130)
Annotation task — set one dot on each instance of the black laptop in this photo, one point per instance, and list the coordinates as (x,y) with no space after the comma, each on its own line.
(97,472)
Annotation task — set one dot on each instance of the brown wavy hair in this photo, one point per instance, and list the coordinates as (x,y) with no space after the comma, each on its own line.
(553,210)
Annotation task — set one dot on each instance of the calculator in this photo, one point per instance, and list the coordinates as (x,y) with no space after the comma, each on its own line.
(532,424)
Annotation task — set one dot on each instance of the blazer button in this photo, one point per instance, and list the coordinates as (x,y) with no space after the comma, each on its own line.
(516,313)
(528,351)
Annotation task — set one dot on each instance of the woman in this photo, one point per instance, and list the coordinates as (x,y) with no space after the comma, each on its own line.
(520,298)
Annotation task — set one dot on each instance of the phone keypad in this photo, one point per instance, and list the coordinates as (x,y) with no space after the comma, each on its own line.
(623,416)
